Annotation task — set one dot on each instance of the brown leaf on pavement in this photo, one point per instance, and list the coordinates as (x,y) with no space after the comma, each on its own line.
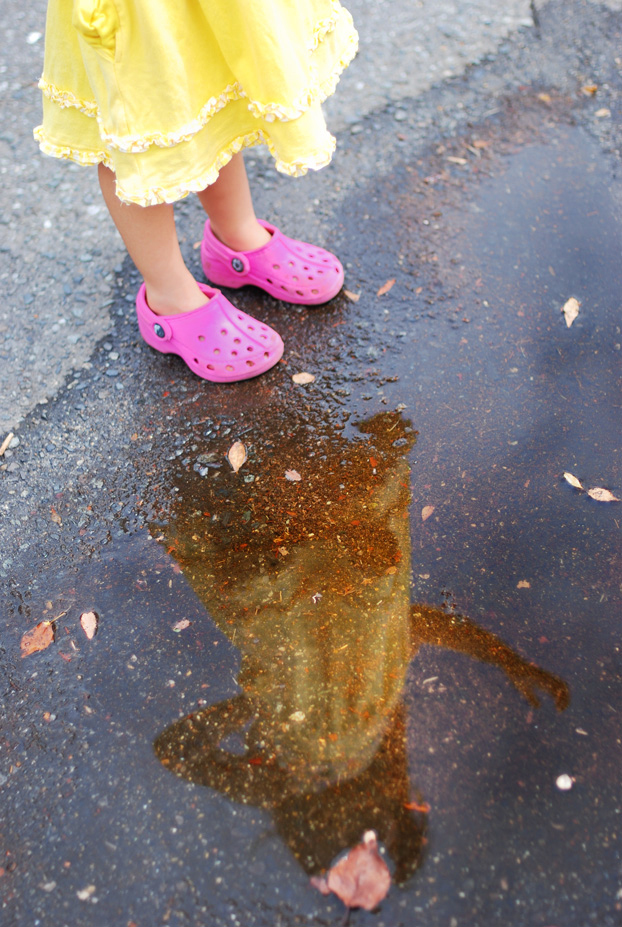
(89,622)
(301,378)
(385,287)
(6,443)
(573,481)
(237,456)
(353,297)
(38,638)
(602,495)
(426,511)
(571,310)
(361,879)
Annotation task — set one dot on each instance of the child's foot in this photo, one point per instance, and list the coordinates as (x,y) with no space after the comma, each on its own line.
(285,268)
(218,342)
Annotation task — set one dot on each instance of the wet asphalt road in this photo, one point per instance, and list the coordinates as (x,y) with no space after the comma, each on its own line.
(431,448)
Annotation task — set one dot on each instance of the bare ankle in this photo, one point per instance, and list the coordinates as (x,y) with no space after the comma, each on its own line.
(248,237)
(169,302)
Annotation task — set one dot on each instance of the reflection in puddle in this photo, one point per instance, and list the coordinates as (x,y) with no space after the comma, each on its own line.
(311,581)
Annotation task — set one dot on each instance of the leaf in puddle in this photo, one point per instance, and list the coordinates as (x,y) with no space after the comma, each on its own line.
(293,476)
(385,287)
(237,455)
(573,481)
(181,625)
(426,511)
(301,378)
(38,638)
(571,310)
(353,297)
(361,879)
(602,495)
(89,622)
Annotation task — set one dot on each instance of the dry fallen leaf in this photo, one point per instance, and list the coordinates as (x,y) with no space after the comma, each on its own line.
(572,480)
(302,378)
(426,511)
(544,97)
(457,160)
(6,443)
(89,622)
(38,638)
(181,625)
(385,287)
(571,310)
(353,297)
(589,89)
(602,495)
(603,113)
(55,516)
(293,476)
(523,584)
(361,879)
(237,455)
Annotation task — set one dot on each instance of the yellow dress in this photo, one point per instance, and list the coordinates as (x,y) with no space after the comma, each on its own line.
(165,92)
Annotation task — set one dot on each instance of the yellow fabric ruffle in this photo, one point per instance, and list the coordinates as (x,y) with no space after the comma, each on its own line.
(165,93)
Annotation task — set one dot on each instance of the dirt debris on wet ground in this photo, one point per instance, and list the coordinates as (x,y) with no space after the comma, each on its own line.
(494,201)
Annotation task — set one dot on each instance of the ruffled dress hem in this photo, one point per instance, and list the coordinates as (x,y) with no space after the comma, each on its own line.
(265,114)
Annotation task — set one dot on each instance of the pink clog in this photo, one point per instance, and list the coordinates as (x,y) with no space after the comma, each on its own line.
(217,341)
(285,268)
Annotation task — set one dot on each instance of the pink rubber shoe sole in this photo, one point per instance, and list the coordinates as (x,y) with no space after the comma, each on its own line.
(285,268)
(217,341)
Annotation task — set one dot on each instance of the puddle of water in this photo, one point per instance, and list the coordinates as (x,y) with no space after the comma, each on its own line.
(311,580)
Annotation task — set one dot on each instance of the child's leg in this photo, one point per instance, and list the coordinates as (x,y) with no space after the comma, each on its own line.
(229,206)
(151,240)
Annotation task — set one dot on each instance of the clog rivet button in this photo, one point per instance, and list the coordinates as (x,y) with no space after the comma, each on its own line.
(238,265)
(159,330)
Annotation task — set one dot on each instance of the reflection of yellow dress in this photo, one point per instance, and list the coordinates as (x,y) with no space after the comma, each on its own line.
(166,92)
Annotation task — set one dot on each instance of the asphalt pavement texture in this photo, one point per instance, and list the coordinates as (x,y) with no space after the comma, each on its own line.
(476,188)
